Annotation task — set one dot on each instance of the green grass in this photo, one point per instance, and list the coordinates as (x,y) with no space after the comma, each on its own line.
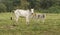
(50,27)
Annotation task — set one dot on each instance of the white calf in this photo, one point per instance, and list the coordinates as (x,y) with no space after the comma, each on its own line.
(40,16)
(25,13)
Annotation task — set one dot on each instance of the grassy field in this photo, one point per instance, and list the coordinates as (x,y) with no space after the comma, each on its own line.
(50,27)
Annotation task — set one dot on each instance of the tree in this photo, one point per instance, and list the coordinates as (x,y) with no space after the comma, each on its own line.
(45,4)
(2,7)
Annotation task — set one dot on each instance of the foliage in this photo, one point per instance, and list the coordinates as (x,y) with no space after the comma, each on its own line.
(38,5)
(2,7)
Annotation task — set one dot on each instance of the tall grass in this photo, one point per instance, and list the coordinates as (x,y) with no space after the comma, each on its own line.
(50,27)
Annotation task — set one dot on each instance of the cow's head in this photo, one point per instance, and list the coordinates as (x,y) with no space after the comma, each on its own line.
(32,11)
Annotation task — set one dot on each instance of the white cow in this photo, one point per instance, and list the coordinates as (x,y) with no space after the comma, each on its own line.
(25,13)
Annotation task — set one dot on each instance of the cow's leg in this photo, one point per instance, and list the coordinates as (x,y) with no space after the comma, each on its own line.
(43,18)
(27,20)
(17,19)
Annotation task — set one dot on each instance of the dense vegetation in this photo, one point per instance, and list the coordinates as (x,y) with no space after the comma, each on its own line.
(47,6)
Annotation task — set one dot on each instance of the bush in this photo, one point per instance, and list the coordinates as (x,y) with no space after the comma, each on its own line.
(2,7)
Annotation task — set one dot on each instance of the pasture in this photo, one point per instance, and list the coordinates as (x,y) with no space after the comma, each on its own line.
(50,27)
